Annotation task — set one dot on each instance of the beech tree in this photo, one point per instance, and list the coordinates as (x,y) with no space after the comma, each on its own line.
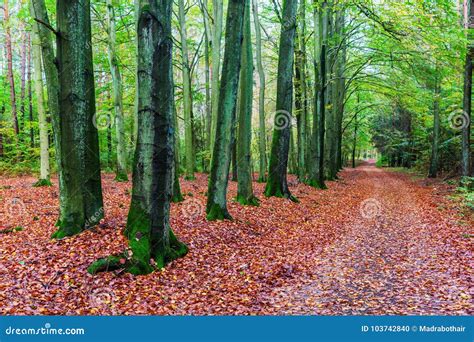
(262,143)
(220,164)
(44,178)
(152,243)
(80,186)
(277,182)
(244,169)
(121,167)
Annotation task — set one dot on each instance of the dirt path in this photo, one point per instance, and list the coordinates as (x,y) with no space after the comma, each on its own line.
(394,259)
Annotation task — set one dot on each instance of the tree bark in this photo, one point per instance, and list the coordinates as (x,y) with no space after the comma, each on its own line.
(300,91)
(262,134)
(433,172)
(30,95)
(218,11)
(277,175)
(245,194)
(11,79)
(316,176)
(44,178)
(121,171)
(219,177)
(79,153)
(187,95)
(207,42)
(467,169)
(151,240)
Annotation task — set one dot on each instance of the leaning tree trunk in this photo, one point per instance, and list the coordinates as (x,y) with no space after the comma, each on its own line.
(11,79)
(243,143)
(79,153)
(217,191)
(151,240)
(277,182)
(121,172)
(187,95)
(262,135)
(42,121)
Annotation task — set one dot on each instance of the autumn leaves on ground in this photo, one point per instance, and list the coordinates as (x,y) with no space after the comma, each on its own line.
(375,242)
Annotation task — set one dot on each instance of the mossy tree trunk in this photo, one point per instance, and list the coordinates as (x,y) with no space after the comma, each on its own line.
(262,135)
(277,182)
(245,194)
(82,205)
(152,243)
(121,167)
(220,163)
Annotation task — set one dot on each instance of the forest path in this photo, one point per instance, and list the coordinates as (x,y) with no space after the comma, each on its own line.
(374,242)
(391,260)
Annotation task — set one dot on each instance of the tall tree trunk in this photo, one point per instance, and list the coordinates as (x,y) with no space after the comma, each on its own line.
(121,171)
(341,85)
(277,182)
(207,66)
(467,95)
(81,186)
(11,79)
(262,134)
(23,76)
(219,177)
(244,170)
(2,111)
(354,142)
(218,11)
(148,230)
(187,95)
(433,172)
(42,121)
(30,95)
(300,83)
(39,13)
(316,176)
(177,195)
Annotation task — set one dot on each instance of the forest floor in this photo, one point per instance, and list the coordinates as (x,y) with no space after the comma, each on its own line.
(375,242)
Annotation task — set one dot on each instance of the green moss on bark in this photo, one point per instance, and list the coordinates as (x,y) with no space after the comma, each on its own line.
(248,200)
(42,182)
(216,212)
